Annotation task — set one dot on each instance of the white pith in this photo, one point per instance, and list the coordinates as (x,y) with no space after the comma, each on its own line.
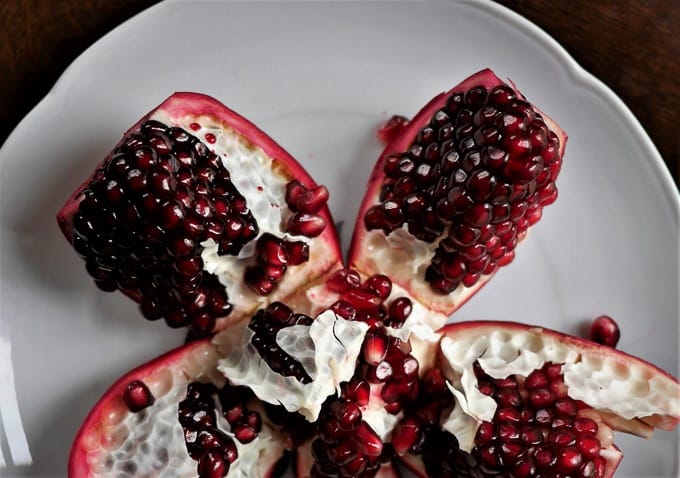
(264,189)
(404,259)
(628,390)
(336,347)
(145,438)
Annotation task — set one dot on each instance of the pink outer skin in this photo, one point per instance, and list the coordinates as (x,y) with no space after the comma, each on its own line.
(77,464)
(358,258)
(185,104)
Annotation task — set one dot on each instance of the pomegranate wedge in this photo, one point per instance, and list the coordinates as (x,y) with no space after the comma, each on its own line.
(456,189)
(526,400)
(189,423)
(198,215)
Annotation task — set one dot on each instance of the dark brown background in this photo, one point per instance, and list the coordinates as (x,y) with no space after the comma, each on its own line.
(631,45)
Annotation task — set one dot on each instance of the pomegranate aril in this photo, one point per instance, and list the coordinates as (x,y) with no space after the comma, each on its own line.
(137,396)
(604,330)
(406,434)
(380,284)
(343,280)
(367,441)
(358,391)
(298,252)
(589,446)
(379,373)
(309,225)
(363,300)
(344,309)
(374,348)
(585,425)
(212,465)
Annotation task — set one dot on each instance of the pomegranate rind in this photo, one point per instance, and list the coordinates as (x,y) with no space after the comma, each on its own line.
(182,109)
(372,252)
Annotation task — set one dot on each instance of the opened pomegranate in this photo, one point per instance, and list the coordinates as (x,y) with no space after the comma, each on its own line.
(197,215)
(456,189)
(349,367)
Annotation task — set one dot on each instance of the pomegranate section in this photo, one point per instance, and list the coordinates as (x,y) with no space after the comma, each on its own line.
(191,216)
(456,190)
(198,425)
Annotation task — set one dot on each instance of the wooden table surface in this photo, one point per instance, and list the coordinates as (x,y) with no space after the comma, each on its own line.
(631,45)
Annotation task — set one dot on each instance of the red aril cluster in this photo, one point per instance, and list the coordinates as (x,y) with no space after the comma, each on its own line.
(144,215)
(266,323)
(366,301)
(305,204)
(537,429)
(273,257)
(422,414)
(476,176)
(206,443)
(346,446)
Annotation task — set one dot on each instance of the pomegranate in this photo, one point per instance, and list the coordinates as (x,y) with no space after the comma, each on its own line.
(349,368)
(198,215)
(456,189)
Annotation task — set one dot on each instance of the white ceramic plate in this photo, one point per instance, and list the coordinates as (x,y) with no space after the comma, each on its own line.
(320,78)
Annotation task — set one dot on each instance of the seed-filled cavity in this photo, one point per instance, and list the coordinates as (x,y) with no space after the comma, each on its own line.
(144,215)
(266,323)
(206,442)
(475,178)
(347,445)
(537,429)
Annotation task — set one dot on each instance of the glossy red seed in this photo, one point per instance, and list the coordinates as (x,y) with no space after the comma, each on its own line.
(400,309)
(137,396)
(312,200)
(604,330)
(545,458)
(298,252)
(367,441)
(380,284)
(568,459)
(358,391)
(536,379)
(406,434)
(212,465)
(244,433)
(343,280)
(585,425)
(374,349)
(309,225)
(363,300)
(589,446)
(379,373)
